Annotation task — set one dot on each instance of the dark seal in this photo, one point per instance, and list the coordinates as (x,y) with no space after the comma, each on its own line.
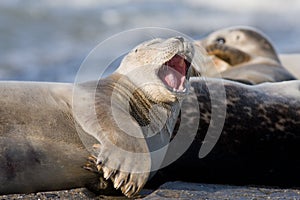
(259,143)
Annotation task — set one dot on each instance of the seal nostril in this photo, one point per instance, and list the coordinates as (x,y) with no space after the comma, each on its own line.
(181,39)
(220,40)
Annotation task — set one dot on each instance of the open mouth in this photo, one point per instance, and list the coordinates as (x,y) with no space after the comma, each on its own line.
(173,73)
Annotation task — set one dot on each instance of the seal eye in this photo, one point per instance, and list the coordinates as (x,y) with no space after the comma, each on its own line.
(220,40)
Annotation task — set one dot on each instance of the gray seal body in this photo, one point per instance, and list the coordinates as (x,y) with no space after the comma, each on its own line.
(259,143)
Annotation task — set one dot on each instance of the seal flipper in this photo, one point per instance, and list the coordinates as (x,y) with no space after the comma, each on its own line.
(101,186)
(123,152)
(123,158)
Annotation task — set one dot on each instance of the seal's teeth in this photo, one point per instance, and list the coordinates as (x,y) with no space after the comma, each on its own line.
(180,90)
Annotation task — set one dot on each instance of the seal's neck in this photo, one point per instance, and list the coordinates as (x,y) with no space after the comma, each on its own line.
(153,116)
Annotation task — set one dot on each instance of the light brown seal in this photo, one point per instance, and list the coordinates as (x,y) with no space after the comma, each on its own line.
(40,127)
(141,99)
(245,54)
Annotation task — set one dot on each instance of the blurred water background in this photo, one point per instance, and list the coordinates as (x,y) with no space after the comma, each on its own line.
(48,40)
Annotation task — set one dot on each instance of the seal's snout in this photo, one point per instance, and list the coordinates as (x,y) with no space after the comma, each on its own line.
(181,39)
(174,72)
(184,45)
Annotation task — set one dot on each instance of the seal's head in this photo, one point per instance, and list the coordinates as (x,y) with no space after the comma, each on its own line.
(239,45)
(160,66)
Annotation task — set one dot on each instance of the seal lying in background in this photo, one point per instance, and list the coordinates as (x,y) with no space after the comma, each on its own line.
(41,130)
(259,143)
(245,54)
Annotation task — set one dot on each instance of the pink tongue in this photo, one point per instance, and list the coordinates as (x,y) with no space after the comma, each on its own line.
(174,79)
(174,76)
